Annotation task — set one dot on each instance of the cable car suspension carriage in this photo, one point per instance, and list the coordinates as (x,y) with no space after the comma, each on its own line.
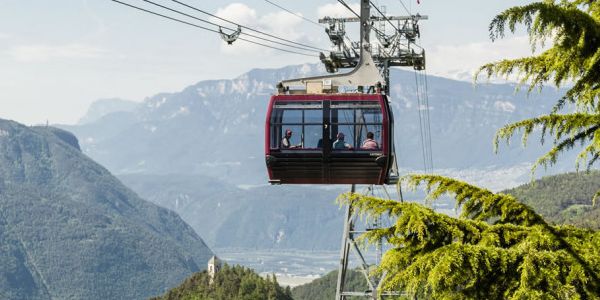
(317,132)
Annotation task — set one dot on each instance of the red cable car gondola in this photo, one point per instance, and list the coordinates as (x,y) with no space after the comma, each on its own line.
(316,135)
(335,139)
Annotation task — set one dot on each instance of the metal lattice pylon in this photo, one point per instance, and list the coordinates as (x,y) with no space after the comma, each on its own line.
(349,244)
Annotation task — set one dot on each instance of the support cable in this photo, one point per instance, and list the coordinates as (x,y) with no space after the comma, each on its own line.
(424,121)
(428,120)
(306,19)
(349,8)
(215,24)
(208,29)
(383,15)
(423,150)
(295,14)
(425,92)
(246,27)
(406,9)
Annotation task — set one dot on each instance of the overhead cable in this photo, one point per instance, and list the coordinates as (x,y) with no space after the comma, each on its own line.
(421,125)
(233,30)
(246,27)
(428,120)
(208,29)
(383,15)
(348,7)
(293,13)
(402,2)
(424,121)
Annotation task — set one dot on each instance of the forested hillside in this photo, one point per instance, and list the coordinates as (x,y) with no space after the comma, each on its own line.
(324,287)
(230,283)
(71,230)
(564,199)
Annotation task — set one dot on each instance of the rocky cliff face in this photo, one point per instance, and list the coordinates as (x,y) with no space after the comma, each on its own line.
(70,230)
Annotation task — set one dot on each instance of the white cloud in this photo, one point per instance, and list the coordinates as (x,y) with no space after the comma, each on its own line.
(337,10)
(462,61)
(4,35)
(280,24)
(238,13)
(41,53)
(506,106)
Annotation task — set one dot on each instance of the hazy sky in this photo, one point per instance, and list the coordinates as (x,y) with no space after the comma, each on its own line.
(56,57)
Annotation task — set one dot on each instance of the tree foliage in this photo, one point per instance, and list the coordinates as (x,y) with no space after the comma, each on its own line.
(567,130)
(573,28)
(498,248)
(324,288)
(230,283)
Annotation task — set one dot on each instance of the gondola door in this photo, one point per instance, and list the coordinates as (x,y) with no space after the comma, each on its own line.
(350,120)
(326,140)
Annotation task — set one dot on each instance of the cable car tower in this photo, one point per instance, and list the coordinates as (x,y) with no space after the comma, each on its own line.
(370,75)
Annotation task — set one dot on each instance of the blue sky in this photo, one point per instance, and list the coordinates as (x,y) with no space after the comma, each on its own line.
(56,57)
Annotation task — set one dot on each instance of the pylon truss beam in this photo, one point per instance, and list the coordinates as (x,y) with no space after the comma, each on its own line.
(349,244)
(374,18)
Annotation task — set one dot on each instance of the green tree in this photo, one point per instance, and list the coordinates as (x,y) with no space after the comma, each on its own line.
(573,30)
(230,283)
(498,248)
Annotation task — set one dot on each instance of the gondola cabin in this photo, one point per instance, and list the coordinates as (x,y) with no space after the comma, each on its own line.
(329,139)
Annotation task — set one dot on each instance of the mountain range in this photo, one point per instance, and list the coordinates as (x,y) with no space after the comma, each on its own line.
(171,132)
(71,230)
(200,152)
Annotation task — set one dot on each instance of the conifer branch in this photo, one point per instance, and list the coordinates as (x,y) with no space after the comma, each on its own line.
(574,27)
(566,130)
(483,254)
(476,203)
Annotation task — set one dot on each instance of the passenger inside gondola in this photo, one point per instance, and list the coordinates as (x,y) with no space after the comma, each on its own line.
(285,142)
(340,144)
(370,143)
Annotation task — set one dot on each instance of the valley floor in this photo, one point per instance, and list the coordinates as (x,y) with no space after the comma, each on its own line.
(285,262)
(292,267)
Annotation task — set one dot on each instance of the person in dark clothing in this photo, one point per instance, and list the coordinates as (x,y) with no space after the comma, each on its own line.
(286,141)
(339,144)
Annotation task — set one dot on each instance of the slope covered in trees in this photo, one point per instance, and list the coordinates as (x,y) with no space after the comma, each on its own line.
(70,230)
(230,283)
(564,199)
(498,248)
(324,287)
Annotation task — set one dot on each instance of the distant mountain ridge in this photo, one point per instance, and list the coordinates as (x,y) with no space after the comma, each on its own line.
(70,230)
(200,152)
(215,127)
(103,107)
(269,217)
